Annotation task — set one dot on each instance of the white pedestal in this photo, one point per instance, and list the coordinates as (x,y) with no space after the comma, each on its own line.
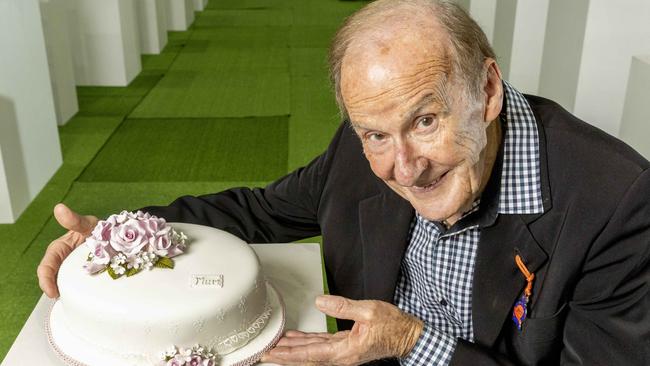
(294,270)
(180,14)
(59,56)
(105,41)
(587,55)
(152,18)
(519,41)
(635,129)
(199,5)
(29,142)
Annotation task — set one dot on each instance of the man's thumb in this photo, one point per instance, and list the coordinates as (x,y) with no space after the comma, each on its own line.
(73,221)
(342,308)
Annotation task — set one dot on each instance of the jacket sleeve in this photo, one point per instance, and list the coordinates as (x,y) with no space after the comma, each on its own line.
(283,211)
(608,320)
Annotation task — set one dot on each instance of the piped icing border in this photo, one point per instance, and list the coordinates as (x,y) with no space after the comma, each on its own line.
(251,360)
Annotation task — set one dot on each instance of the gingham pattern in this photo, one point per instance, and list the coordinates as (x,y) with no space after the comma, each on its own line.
(520,178)
(437,270)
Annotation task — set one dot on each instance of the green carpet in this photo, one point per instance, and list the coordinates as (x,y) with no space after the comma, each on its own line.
(192,150)
(220,60)
(252,37)
(240,98)
(253,17)
(197,94)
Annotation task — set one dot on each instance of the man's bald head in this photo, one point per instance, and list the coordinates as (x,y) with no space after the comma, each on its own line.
(440,29)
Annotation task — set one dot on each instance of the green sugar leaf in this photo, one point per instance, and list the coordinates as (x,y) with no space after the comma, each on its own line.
(112,273)
(164,262)
(130,272)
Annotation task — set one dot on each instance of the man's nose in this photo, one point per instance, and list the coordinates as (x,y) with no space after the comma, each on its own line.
(408,166)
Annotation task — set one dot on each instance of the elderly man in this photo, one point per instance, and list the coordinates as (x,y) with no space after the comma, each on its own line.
(462,221)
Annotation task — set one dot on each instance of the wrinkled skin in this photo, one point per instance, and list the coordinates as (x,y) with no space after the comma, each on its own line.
(417,124)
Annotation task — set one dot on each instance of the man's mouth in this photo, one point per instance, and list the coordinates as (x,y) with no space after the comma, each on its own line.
(431,186)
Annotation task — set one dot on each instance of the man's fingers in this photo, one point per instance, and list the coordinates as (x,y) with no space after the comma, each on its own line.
(297,333)
(299,341)
(73,221)
(342,308)
(309,353)
(47,280)
(49,266)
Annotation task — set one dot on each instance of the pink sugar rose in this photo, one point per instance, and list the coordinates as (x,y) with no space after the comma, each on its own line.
(103,230)
(195,361)
(129,237)
(208,362)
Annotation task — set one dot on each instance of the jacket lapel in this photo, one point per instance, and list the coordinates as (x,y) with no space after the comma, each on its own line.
(384,222)
(497,279)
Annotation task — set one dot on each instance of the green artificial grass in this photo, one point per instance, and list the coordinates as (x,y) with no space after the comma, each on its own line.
(312,96)
(151,150)
(254,17)
(308,138)
(308,62)
(138,87)
(198,94)
(251,4)
(107,105)
(220,60)
(317,36)
(249,37)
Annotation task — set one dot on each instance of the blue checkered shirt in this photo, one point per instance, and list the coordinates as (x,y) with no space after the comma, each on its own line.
(437,270)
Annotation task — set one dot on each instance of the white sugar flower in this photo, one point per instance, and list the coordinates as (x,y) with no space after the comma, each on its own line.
(118,259)
(171,351)
(134,262)
(118,269)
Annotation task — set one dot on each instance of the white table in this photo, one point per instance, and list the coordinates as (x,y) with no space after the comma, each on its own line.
(294,269)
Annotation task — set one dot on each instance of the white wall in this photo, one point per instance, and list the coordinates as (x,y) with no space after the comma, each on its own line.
(484,12)
(635,123)
(615,31)
(29,141)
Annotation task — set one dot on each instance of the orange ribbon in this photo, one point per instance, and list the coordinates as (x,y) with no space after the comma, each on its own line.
(529,276)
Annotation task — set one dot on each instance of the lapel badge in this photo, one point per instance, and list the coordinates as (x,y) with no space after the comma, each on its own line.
(520,310)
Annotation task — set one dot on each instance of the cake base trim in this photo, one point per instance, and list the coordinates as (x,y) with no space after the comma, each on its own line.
(66,346)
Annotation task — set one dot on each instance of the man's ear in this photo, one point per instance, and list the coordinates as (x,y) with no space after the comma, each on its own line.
(493,90)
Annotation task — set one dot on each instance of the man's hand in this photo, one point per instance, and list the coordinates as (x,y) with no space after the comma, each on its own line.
(79,228)
(380,330)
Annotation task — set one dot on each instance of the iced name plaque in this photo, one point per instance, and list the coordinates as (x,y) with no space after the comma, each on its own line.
(206,280)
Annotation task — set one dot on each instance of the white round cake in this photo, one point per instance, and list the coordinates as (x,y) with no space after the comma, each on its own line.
(215,296)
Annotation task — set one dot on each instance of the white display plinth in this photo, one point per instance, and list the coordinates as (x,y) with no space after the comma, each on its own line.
(635,129)
(587,52)
(180,14)
(59,56)
(152,18)
(294,270)
(29,141)
(199,5)
(519,41)
(105,41)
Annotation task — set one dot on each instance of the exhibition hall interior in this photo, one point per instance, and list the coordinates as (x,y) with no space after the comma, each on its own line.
(110,105)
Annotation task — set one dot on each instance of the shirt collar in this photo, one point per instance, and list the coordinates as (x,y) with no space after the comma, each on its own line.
(521,189)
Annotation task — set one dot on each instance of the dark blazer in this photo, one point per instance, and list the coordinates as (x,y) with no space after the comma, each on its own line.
(589,250)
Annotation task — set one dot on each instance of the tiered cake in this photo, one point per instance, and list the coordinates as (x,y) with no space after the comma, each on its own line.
(215,296)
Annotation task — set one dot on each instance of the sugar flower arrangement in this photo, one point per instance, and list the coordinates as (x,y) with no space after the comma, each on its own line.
(127,243)
(195,356)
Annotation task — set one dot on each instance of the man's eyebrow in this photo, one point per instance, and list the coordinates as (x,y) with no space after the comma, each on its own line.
(423,102)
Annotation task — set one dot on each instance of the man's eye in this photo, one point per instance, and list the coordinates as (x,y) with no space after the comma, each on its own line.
(426,121)
(376,137)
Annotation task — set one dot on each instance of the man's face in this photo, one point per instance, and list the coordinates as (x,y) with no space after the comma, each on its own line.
(420,133)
